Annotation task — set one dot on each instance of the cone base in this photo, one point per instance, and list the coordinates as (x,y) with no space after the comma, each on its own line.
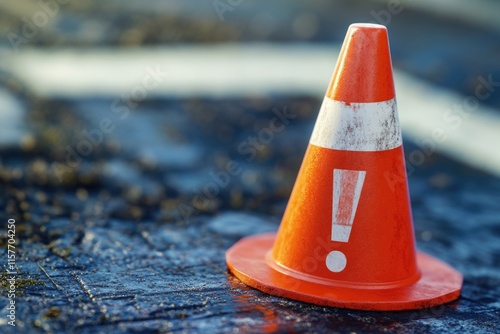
(438,284)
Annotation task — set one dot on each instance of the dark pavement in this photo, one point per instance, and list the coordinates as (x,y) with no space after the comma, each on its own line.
(133,243)
(128,232)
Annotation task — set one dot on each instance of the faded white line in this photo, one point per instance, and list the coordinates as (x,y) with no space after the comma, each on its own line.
(246,70)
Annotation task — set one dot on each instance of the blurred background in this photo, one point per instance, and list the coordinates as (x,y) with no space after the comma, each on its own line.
(137,133)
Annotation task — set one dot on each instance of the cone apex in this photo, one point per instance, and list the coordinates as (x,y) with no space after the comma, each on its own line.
(364,70)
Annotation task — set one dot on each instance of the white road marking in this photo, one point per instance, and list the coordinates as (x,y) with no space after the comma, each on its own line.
(235,70)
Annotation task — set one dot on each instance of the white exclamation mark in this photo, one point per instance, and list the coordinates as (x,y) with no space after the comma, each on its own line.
(347,185)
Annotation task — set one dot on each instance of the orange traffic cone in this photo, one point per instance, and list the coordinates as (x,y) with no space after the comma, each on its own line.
(346,238)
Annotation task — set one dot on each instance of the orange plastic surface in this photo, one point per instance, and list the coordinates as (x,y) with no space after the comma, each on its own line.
(438,283)
(381,246)
(364,70)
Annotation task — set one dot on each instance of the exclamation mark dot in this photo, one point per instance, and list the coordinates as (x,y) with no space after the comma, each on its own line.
(336,261)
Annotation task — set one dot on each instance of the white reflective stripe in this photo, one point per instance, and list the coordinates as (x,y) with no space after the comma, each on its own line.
(357,126)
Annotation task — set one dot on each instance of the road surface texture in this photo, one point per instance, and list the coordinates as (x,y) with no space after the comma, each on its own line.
(124,209)
(131,240)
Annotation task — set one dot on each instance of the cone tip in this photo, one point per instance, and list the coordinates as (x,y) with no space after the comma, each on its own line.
(367,26)
(364,70)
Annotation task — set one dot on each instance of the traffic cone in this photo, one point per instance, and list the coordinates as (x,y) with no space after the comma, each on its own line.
(346,238)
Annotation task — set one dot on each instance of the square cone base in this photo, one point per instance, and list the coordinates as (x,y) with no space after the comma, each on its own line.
(438,284)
